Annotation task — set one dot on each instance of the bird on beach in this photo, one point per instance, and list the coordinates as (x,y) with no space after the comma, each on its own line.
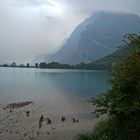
(75,120)
(63,119)
(27,113)
(49,121)
(40,121)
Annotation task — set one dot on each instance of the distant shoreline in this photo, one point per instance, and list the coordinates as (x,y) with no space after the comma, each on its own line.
(54,65)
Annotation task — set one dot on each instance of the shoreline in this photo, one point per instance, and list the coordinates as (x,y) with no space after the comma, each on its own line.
(22,122)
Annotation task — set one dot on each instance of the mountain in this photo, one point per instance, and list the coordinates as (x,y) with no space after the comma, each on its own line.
(96,37)
(44,57)
(111,60)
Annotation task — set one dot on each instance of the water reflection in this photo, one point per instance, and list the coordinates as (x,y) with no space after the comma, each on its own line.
(16,83)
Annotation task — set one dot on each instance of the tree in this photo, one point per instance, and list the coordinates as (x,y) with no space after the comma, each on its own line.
(28,65)
(13,64)
(36,65)
(22,65)
(122,102)
(43,65)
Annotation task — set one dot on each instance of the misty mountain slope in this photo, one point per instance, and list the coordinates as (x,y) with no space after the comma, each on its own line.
(111,60)
(96,37)
(43,57)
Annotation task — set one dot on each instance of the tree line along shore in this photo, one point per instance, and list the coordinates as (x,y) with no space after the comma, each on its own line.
(55,65)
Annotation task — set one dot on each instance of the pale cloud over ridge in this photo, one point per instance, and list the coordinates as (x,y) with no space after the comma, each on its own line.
(29,27)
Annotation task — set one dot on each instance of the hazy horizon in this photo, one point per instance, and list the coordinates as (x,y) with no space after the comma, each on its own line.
(32,27)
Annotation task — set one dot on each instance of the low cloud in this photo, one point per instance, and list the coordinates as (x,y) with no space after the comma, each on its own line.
(28,28)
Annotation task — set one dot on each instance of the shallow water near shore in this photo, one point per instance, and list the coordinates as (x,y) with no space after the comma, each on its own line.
(50,84)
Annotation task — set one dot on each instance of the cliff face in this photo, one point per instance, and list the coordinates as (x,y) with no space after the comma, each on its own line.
(96,37)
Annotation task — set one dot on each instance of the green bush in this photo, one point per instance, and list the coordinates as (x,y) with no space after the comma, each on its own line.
(109,129)
(86,136)
(122,102)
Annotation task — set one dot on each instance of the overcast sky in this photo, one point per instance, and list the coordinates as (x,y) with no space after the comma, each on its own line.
(32,27)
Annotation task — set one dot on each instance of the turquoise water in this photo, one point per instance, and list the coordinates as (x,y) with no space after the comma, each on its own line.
(42,84)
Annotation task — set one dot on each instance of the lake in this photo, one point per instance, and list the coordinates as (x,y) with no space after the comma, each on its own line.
(54,93)
(18,84)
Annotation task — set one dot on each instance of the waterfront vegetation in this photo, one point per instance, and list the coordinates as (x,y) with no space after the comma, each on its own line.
(55,65)
(122,102)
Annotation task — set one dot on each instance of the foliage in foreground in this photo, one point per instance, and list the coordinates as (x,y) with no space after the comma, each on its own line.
(122,102)
(109,129)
